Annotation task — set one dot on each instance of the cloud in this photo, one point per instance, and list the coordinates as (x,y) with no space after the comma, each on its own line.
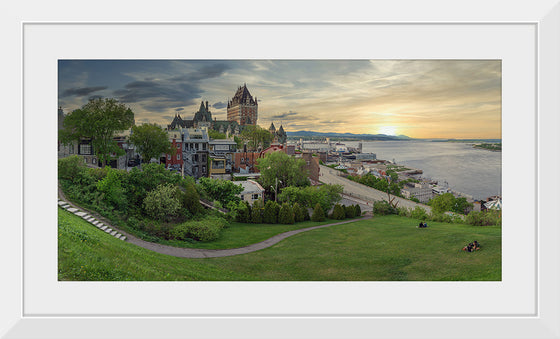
(93,97)
(159,95)
(81,91)
(219,105)
(179,109)
(283,115)
(204,73)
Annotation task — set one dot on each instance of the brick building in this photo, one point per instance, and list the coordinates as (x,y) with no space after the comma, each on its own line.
(242,108)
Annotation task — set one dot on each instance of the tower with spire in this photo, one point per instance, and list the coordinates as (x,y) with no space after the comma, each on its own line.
(242,108)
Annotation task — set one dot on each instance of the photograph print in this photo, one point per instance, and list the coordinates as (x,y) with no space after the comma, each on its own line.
(279,170)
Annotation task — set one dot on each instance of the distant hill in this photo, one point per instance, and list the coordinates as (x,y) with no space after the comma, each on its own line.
(316,135)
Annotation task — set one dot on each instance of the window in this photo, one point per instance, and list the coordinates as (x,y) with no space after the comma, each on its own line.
(178,157)
(71,149)
(203,169)
(255,196)
(204,147)
(85,149)
(169,157)
(203,157)
(93,161)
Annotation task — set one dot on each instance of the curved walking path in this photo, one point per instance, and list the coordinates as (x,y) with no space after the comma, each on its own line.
(196,253)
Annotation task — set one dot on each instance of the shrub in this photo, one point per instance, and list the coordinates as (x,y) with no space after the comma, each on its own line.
(99,173)
(191,199)
(207,229)
(243,212)
(68,168)
(403,212)
(298,213)
(270,214)
(338,212)
(350,211)
(112,188)
(286,214)
(383,208)
(163,203)
(419,213)
(318,213)
(257,211)
(484,218)
(358,210)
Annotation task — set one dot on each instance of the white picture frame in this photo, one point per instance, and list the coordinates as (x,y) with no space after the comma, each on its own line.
(541,322)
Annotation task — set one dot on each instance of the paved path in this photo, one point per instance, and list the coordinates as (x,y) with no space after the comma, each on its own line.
(363,192)
(195,252)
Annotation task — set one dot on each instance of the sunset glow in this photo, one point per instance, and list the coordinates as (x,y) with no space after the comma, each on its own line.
(417,98)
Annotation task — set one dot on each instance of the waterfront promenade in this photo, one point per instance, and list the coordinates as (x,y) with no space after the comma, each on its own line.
(362,192)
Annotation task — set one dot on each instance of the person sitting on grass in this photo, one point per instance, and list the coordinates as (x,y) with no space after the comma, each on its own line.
(476,245)
(468,248)
(421,225)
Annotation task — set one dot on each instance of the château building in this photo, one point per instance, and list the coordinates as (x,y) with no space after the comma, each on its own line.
(203,118)
(280,135)
(242,108)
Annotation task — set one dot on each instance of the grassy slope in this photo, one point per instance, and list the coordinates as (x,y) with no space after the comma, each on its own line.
(384,248)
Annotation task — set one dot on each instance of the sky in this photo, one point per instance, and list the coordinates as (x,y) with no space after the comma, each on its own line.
(416,98)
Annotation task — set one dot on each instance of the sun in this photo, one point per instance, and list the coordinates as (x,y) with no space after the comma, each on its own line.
(387,130)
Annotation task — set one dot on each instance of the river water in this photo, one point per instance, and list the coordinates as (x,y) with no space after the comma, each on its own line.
(476,172)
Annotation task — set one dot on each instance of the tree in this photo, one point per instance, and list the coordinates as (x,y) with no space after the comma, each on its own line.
(442,203)
(270,214)
(151,141)
(163,203)
(318,213)
(338,212)
(256,137)
(257,211)
(99,120)
(461,205)
(281,170)
(286,214)
(325,195)
(358,210)
(213,134)
(222,190)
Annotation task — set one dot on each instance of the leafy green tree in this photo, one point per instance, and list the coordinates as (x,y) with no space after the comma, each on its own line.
(111,186)
(151,141)
(222,190)
(99,120)
(163,203)
(461,205)
(213,134)
(442,203)
(280,169)
(256,137)
(325,195)
(318,213)
(286,214)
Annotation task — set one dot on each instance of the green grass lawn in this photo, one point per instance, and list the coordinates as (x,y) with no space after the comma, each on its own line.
(383,248)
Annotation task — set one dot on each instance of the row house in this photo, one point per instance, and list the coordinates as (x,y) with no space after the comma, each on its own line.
(222,157)
(195,146)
